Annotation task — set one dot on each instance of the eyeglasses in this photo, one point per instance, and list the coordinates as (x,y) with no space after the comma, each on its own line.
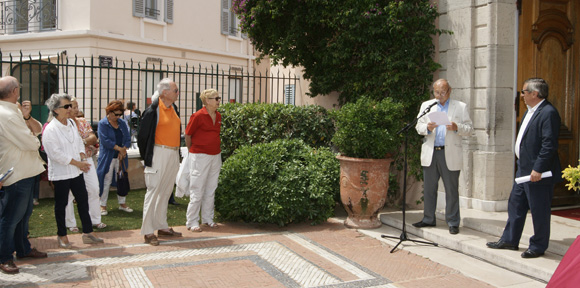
(216,98)
(66,106)
(524,91)
(118,115)
(442,93)
(176,90)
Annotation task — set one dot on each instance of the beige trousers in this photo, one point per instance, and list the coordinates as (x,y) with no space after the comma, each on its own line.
(159,179)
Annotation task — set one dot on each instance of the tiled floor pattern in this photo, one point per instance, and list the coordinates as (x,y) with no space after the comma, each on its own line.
(234,255)
(274,259)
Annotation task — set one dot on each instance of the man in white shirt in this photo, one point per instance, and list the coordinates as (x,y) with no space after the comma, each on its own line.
(18,149)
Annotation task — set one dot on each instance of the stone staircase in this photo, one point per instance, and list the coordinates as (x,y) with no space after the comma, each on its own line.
(479,227)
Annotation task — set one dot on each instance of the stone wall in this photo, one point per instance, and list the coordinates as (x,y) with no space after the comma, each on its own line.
(478,59)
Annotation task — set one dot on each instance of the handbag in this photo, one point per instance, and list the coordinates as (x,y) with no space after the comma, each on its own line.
(123,186)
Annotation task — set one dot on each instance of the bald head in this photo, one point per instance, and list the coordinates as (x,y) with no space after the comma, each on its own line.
(441,90)
(9,89)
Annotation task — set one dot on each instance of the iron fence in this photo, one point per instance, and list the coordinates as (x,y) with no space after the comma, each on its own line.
(95,81)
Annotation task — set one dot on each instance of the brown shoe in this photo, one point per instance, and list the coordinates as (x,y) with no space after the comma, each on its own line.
(168,233)
(151,240)
(9,267)
(34,254)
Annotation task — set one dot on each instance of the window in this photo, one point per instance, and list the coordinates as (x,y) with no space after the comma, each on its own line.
(22,16)
(150,9)
(229,19)
(48,15)
(289,93)
(235,89)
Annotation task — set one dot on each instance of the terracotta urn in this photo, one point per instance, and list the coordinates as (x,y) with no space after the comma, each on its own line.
(363,190)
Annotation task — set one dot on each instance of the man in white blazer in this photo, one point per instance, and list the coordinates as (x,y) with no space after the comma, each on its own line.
(442,154)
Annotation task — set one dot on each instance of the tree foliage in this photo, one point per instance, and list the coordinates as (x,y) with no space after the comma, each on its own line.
(382,48)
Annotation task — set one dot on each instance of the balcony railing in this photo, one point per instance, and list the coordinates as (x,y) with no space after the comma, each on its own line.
(23,16)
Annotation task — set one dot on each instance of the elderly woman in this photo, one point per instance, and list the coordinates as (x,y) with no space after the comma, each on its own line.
(202,137)
(66,163)
(115,139)
(91,180)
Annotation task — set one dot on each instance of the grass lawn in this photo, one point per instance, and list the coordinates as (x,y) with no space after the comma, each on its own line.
(42,222)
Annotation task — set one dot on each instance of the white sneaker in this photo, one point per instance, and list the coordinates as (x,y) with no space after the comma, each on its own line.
(104,212)
(126,209)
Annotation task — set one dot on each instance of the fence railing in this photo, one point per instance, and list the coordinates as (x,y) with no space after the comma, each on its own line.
(95,81)
(23,16)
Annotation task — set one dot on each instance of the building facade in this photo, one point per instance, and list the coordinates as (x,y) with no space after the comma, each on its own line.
(100,50)
(495,46)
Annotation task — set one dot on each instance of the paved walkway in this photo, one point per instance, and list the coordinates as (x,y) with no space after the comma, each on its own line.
(236,255)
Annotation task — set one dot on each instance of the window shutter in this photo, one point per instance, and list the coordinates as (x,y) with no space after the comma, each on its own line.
(225,17)
(139,8)
(169,11)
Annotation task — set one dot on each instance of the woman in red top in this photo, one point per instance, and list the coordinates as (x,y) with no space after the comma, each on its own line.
(202,137)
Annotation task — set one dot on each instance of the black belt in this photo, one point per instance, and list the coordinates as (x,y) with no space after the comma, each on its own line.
(439,148)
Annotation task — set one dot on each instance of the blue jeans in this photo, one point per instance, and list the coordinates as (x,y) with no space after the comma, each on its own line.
(17,208)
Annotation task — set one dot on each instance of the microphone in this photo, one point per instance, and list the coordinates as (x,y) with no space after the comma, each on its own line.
(432,104)
(428,108)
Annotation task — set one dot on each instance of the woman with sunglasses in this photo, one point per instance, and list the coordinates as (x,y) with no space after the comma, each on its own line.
(115,139)
(67,162)
(202,137)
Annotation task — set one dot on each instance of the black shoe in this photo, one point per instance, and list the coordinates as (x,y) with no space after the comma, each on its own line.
(174,203)
(531,254)
(453,230)
(422,224)
(501,245)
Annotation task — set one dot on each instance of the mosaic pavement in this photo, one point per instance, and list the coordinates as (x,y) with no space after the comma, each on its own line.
(281,259)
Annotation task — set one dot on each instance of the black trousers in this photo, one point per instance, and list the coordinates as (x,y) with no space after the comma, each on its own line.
(79,190)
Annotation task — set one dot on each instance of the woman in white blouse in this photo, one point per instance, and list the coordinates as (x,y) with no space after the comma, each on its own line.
(67,162)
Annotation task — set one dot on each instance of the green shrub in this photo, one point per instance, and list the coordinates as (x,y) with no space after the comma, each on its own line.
(368,128)
(282,182)
(248,124)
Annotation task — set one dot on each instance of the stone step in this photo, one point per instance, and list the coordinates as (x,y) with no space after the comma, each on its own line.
(480,227)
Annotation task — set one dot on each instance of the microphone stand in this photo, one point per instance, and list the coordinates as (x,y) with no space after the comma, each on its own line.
(403,236)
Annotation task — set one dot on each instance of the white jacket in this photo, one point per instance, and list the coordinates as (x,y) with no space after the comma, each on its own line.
(62,143)
(457,112)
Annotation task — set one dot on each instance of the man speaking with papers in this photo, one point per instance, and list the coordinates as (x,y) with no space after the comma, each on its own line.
(442,153)
(536,150)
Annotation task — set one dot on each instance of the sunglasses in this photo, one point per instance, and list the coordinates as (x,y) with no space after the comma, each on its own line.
(118,115)
(66,106)
(216,98)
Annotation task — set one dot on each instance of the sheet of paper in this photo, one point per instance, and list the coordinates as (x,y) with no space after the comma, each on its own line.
(525,179)
(439,117)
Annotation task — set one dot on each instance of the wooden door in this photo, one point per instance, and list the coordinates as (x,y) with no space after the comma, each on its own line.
(549,47)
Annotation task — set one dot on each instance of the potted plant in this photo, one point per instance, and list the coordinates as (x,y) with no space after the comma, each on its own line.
(572,174)
(366,138)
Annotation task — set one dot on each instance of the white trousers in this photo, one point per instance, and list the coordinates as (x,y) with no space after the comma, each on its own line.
(159,179)
(92,184)
(204,175)
(107,183)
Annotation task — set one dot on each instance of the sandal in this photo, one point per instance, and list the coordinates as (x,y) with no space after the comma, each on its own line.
(212,225)
(194,229)
(100,225)
(74,229)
